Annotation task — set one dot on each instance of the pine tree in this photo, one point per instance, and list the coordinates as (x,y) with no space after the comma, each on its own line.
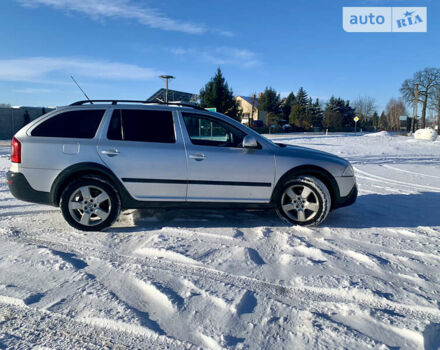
(299,115)
(316,114)
(302,96)
(349,114)
(375,121)
(287,105)
(270,101)
(383,121)
(217,93)
(338,115)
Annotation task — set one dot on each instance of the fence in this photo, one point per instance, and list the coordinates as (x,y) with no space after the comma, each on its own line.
(13,119)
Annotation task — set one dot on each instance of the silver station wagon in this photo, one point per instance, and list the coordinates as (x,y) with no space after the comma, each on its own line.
(96,158)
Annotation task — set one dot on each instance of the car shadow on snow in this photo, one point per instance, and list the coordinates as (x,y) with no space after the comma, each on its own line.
(390,210)
(152,219)
(370,210)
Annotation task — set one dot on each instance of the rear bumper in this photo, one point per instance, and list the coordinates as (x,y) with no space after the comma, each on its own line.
(20,189)
(347,200)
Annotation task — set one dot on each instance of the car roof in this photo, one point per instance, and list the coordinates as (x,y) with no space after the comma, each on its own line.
(137,102)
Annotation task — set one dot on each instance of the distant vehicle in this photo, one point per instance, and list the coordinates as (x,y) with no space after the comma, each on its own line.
(287,128)
(95,160)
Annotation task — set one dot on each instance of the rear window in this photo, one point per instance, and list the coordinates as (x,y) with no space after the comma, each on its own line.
(142,126)
(74,124)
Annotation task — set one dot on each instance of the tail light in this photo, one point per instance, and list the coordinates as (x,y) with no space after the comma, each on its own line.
(15,151)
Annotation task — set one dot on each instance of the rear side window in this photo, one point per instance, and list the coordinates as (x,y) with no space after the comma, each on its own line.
(74,124)
(142,126)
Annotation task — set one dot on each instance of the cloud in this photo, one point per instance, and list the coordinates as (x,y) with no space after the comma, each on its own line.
(33,91)
(128,9)
(223,55)
(38,68)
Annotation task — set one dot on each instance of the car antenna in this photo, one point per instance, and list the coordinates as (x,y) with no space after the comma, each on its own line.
(79,87)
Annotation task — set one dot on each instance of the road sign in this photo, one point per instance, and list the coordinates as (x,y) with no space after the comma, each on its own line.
(211,109)
(356,119)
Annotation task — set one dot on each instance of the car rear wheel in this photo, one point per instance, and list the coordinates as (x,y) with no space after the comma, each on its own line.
(304,200)
(90,204)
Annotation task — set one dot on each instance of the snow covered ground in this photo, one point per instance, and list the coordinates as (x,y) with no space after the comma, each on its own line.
(368,278)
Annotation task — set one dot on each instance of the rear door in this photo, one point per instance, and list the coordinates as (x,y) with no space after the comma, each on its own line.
(144,148)
(219,168)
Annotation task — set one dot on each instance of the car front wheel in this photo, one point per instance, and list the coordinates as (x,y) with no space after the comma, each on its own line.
(90,204)
(304,200)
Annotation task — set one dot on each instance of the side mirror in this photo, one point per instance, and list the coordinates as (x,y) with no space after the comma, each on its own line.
(250,142)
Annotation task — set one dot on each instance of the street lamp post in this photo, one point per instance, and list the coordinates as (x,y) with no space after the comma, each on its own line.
(166,77)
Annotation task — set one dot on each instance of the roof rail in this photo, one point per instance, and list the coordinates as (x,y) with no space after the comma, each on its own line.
(181,104)
(114,102)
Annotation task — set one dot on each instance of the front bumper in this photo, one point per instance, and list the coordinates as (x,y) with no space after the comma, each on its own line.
(21,189)
(347,200)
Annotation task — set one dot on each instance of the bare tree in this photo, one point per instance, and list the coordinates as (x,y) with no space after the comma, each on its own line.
(365,107)
(428,80)
(395,108)
(435,104)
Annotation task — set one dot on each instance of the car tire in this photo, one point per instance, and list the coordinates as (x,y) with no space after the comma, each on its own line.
(90,203)
(304,200)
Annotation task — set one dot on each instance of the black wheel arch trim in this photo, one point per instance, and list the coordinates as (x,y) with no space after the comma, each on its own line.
(312,170)
(87,168)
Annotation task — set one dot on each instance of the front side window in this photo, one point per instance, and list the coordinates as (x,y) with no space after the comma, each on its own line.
(206,131)
(81,124)
(142,126)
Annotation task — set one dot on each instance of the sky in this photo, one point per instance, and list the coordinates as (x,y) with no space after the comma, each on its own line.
(118,48)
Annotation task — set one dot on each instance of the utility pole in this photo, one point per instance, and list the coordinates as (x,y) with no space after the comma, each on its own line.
(416,102)
(438,114)
(166,77)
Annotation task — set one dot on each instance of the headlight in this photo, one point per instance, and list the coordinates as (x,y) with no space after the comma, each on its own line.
(348,172)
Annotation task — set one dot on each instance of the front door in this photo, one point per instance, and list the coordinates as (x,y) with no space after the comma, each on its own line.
(146,153)
(219,168)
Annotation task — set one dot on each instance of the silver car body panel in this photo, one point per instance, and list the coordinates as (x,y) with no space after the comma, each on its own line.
(170,172)
(44,158)
(148,170)
(228,174)
(293,156)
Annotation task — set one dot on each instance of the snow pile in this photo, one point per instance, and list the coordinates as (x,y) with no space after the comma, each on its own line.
(380,133)
(426,134)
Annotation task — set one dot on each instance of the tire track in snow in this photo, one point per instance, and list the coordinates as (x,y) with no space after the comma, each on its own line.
(409,172)
(30,326)
(298,297)
(155,311)
(89,278)
(387,268)
(391,181)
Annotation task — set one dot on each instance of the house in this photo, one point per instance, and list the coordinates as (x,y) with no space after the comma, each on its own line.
(251,113)
(173,96)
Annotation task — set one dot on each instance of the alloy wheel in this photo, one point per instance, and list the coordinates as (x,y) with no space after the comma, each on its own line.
(89,205)
(300,203)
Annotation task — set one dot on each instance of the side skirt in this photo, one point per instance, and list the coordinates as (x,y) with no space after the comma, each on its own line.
(133,204)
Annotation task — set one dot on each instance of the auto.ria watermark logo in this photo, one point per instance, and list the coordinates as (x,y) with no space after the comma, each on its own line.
(385,19)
